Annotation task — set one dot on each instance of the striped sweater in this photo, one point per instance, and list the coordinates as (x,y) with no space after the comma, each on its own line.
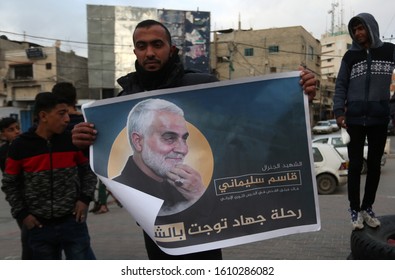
(46,178)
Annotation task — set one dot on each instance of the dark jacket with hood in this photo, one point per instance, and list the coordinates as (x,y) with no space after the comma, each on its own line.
(170,76)
(45,178)
(362,89)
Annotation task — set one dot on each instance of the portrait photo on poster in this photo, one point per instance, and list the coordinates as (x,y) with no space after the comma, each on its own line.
(213,161)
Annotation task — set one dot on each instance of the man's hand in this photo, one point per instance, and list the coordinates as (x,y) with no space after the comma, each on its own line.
(341,122)
(80,211)
(30,222)
(187,181)
(84,135)
(308,82)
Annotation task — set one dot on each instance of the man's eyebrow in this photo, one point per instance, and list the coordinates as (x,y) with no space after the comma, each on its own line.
(174,134)
(154,41)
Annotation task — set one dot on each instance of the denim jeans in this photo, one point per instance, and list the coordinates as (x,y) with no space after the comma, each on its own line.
(69,236)
(376,136)
(26,251)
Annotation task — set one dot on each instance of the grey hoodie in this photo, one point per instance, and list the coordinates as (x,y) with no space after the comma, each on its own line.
(362,86)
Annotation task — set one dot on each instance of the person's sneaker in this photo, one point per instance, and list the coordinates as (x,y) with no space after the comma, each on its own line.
(356,220)
(370,218)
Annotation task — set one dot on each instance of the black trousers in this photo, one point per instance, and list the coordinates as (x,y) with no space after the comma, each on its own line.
(154,253)
(376,137)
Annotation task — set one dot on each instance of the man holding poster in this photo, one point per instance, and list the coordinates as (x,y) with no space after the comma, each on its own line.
(158,67)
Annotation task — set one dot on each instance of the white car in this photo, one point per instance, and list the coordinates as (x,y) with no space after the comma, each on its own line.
(322,127)
(336,141)
(330,168)
(334,125)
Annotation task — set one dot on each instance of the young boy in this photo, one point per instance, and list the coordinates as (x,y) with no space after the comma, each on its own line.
(49,184)
(9,130)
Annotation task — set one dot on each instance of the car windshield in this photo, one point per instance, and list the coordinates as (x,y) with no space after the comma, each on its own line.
(338,142)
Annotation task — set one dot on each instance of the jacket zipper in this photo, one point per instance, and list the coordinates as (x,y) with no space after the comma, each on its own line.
(49,145)
(367,82)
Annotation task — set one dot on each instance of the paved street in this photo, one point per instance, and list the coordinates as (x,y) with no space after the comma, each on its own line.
(115,235)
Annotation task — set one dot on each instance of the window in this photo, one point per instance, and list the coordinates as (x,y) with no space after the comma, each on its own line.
(317,155)
(21,71)
(323,141)
(223,59)
(249,52)
(273,49)
(273,69)
(338,142)
(48,66)
(311,52)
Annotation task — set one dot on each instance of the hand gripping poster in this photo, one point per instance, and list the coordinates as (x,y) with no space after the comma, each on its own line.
(212,165)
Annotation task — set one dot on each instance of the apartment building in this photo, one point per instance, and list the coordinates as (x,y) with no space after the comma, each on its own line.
(247,53)
(333,47)
(30,68)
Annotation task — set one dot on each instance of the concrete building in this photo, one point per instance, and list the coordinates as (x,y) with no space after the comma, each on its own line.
(247,53)
(5,45)
(334,46)
(31,69)
(110,44)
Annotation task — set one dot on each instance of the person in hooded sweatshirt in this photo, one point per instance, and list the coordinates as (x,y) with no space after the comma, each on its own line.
(361,105)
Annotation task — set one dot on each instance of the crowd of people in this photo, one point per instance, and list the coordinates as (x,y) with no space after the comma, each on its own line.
(49,199)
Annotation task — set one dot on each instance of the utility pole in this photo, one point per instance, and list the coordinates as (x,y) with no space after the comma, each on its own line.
(332,11)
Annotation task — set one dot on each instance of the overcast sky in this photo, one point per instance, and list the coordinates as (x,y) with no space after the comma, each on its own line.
(66,20)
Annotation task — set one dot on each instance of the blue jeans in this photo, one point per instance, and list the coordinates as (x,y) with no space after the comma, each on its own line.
(376,136)
(48,242)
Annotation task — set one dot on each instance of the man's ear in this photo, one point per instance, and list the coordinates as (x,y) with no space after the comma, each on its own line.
(173,50)
(137,141)
(42,116)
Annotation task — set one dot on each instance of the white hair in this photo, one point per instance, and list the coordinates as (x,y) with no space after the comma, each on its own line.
(142,115)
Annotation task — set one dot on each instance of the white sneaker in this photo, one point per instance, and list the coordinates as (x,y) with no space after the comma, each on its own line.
(356,220)
(370,218)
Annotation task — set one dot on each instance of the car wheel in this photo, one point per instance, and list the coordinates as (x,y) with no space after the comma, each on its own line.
(364,167)
(375,243)
(326,184)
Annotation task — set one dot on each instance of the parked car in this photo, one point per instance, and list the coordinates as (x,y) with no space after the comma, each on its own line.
(334,125)
(330,168)
(336,141)
(322,127)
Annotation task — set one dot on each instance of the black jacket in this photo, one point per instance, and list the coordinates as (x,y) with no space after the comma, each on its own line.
(132,176)
(171,76)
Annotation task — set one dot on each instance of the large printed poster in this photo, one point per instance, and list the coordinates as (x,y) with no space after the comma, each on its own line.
(245,157)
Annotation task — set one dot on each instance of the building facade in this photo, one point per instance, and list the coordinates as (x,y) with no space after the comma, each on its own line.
(247,53)
(31,69)
(334,46)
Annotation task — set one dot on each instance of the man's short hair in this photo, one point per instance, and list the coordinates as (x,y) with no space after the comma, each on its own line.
(6,122)
(142,115)
(46,101)
(67,91)
(150,22)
